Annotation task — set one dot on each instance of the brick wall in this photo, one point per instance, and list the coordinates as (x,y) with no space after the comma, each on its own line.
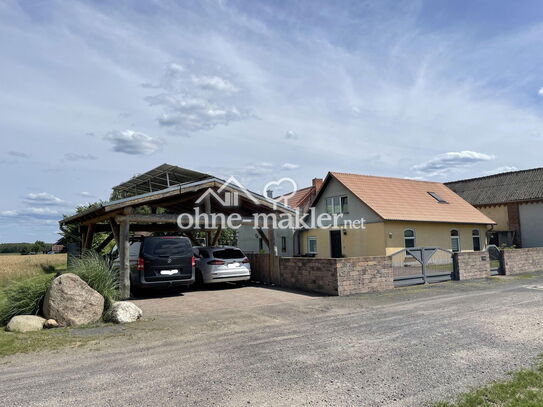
(364,274)
(345,276)
(309,274)
(518,261)
(471,265)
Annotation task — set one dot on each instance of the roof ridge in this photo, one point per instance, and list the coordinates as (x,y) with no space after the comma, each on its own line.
(494,175)
(382,177)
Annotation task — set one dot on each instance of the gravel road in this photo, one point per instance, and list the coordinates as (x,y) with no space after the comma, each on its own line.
(406,347)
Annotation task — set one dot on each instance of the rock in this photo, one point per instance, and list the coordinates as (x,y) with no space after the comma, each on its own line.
(71,302)
(25,323)
(123,312)
(50,323)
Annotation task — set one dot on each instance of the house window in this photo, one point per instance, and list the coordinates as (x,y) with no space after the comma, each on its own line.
(260,244)
(283,243)
(409,238)
(337,204)
(455,240)
(475,235)
(312,244)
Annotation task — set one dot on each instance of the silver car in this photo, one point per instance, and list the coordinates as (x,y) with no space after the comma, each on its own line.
(221,264)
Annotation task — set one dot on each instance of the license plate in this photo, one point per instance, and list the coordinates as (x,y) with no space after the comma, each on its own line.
(233,265)
(168,272)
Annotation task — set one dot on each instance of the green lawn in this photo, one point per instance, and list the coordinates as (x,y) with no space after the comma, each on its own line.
(523,389)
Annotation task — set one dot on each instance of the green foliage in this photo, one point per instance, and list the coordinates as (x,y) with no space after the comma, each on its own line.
(70,233)
(524,389)
(25,248)
(24,297)
(94,270)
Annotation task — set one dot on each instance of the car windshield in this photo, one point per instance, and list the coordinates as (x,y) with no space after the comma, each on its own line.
(226,254)
(166,247)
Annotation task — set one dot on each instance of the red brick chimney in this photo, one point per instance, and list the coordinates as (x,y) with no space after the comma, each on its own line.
(317,183)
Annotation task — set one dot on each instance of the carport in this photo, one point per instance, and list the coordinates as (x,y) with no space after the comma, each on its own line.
(154,202)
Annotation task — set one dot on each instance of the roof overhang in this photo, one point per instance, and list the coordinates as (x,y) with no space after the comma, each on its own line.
(187,193)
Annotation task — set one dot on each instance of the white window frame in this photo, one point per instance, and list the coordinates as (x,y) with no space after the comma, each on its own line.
(414,238)
(478,236)
(457,238)
(334,204)
(309,240)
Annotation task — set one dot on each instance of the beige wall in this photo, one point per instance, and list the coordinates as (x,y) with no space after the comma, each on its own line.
(431,234)
(499,215)
(357,242)
(385,238)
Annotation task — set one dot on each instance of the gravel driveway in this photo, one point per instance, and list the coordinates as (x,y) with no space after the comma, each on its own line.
(401,348)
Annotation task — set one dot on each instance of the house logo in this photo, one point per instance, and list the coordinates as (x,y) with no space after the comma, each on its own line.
(284,198)
(228,195)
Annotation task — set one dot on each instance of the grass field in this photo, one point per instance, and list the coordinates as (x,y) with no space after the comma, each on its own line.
(16,267)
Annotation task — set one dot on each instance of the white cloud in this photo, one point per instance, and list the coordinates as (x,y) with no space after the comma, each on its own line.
(32,213)
(540,92)
(213,83)
(443,163)
(134,143)
(44,198)
(79,157)
(289,166)
(87,194)
(499,170)
(291,135)
(192,103)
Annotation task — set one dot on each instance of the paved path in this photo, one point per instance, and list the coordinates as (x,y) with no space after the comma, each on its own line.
(401,348)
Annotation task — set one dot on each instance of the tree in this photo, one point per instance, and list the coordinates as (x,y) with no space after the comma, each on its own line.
(38,246)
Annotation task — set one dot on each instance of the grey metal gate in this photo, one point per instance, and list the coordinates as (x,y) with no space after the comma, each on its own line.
(495,256)
(422,265)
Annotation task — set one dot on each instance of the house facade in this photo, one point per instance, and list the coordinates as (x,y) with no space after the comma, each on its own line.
(514,200)
(398,214)
(250,241)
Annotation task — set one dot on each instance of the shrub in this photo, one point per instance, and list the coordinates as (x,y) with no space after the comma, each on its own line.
(95,271)
(24,297)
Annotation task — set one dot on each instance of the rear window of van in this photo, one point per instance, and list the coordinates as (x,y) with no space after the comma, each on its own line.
(164,246)
(227,254)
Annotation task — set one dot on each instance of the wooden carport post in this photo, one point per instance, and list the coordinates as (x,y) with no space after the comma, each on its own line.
(124,256)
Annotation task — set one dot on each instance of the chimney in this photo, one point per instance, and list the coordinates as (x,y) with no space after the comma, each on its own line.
(317,183)
(269,193)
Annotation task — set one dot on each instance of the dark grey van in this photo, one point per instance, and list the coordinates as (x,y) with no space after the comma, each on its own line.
(160,262)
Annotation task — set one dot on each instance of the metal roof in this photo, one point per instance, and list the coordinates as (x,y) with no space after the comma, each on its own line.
(515,186)
(159,178)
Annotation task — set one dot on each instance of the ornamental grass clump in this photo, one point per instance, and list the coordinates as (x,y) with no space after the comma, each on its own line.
(24,297)
(95,271)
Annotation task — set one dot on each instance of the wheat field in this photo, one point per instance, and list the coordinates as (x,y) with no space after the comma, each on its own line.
(15,267)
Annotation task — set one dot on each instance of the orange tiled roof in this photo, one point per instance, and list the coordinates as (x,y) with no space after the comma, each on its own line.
(405,199)
(299,198)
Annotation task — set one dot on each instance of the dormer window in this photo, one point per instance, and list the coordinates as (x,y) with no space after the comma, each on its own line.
(437,197)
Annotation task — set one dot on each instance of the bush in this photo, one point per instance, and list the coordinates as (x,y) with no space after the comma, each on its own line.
(95,271)
(24,297)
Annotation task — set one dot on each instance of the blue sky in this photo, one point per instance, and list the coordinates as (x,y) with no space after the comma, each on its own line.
(94,92)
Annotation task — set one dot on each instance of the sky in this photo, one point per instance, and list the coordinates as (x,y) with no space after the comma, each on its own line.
(93,92)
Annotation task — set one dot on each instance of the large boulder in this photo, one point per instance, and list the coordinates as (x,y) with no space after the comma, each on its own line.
(123,312)
(25,323)
(71,302)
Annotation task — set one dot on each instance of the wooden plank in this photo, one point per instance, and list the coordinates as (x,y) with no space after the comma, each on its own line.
(275,275)
(217,236)
(124,259)
(104,243)
(89,237)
